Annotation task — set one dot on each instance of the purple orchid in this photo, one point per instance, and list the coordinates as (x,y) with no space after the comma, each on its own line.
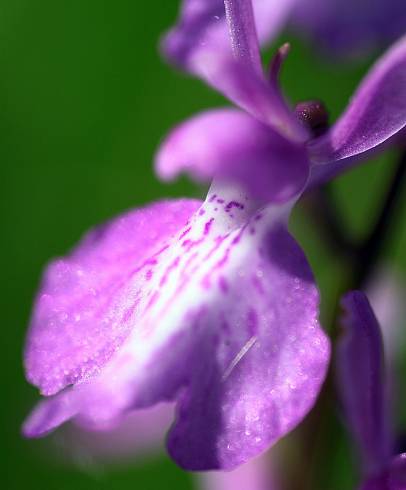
(270,148)
(363,389)
(211,305)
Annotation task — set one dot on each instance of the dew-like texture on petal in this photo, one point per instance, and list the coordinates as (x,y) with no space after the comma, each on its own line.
(235,147)
(254,475)
(393,478)
(201,32)
(350,28)
(242,32)
(360,378)
(376,112)
(262,367)
(228,329)
(84,310)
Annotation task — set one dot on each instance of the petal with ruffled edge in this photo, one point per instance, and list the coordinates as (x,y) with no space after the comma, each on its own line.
(393,478)
(84,310)
(229,329)
(376,113)
(360,377)
(233,146)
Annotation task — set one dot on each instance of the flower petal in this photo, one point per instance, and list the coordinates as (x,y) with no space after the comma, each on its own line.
(377,111)
(235,147)
(242,32)
(361,381)
(229,329)
(230,63)
(84,311)
(263,365)
(202,33)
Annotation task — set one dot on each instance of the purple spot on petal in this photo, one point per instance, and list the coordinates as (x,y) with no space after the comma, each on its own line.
(185,232)
(207,226)
(233,204)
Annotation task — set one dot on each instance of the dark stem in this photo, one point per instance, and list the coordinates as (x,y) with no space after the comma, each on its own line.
(324,214)
(369,252)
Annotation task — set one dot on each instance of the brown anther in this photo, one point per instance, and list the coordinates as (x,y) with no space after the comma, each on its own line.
(313,115)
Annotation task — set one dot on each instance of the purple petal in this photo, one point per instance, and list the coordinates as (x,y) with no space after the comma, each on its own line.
(242,31)
(270,167)
(261,368)
(350,28)
(360,379)
(393,478)
(201,44)
(377,111)
(202,33)
(85,311)
(256,95)
(228,326)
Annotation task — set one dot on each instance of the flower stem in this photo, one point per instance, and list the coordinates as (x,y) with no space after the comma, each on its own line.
(369,252)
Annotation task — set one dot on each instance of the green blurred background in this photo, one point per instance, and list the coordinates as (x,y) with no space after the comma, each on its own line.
(84,102)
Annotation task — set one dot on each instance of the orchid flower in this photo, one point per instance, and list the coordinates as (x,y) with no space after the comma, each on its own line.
(363,392)
(211,305)
(273,150)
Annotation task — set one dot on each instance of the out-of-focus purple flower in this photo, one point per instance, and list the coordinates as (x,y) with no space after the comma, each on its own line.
(345,28)
(386,292)
(201,37)
(350,28)
(210,305)
(270,148)
(363,392)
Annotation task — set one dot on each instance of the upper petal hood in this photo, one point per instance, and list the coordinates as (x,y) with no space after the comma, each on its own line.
(232,146)
(223,50)
(201,32)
